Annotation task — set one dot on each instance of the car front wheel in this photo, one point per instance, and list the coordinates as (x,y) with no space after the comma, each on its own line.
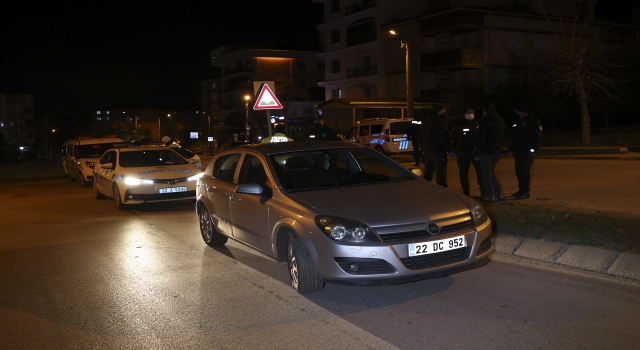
(209,233)
(304,277)
(117,199)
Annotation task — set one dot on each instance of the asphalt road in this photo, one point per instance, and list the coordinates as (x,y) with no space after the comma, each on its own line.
(77,273)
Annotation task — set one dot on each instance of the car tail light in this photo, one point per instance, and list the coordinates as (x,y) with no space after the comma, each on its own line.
(90,164)
(386,135)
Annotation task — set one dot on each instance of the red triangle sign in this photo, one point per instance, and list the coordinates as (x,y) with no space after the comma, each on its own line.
(266,99)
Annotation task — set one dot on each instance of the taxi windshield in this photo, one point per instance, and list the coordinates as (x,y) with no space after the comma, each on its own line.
(311,170)
(148,158)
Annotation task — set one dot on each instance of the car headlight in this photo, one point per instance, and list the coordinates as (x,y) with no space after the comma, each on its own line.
(346,230)
(479,215)
(132,181)
(195,177)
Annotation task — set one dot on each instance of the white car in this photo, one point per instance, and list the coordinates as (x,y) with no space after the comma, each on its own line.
(143,174)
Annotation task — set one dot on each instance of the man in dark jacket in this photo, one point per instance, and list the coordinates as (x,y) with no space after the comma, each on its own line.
(325,133)
(526,135)
(488,150)
(413,132)
(464,133)
(435,144)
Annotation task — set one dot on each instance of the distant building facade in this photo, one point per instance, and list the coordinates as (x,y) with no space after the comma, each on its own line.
(151,124)
(16,119)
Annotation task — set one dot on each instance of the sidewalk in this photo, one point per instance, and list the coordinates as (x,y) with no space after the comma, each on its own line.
(561,179)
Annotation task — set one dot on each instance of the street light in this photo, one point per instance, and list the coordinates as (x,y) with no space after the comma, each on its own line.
(246,117)
(408,65)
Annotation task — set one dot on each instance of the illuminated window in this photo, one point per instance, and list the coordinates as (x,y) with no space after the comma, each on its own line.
(98,112)
(336,93)
(107,113)
(98,118)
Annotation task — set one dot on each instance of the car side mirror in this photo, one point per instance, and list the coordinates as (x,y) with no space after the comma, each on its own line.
(249,188)
(107,166)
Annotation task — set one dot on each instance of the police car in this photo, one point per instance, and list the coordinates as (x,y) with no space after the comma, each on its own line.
(132,174)
(385,135)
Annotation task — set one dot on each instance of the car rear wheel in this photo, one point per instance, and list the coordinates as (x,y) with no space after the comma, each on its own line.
(96,191)
(304,277)
(117,199)
(380,149)
(209,233)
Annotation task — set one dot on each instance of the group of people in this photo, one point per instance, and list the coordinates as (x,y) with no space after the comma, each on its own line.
(477,142)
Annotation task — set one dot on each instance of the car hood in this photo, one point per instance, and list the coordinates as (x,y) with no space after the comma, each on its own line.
(162,172)
(387,204)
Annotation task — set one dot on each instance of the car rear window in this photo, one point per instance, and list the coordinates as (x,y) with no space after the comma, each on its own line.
(399,128)
(92,151)
(148,158)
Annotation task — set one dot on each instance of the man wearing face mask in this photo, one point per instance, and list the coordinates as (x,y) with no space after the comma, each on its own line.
(464,133)
(526,136)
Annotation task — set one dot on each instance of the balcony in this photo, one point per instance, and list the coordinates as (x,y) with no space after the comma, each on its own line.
(361,6)
(456,59)
(228,72)
(362,72)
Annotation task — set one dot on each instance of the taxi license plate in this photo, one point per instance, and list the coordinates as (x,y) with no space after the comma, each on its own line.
(172,189)
(442,245)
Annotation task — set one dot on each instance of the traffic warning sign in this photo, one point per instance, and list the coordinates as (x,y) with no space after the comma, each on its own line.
(266,99)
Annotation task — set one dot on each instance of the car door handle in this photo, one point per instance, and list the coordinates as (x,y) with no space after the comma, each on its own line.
(210,188)
(234,199)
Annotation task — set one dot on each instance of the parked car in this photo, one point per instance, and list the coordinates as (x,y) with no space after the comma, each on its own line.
(337,212)
(80,156)
(132,174)
(385,135)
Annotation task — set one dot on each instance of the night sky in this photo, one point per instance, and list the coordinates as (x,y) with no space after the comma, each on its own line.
(146,54)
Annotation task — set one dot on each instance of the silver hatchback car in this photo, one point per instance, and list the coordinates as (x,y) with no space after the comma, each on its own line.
(340,213)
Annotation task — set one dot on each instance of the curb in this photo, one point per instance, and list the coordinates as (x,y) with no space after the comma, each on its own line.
(605,261)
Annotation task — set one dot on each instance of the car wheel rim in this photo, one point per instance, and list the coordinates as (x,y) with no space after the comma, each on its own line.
(206,226)
(293,265)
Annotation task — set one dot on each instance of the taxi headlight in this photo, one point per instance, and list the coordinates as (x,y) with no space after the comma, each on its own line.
(478,213)
(346,230)
(195,177)
(132,181)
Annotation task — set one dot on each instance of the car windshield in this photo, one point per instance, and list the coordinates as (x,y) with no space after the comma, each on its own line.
(93,151)
(147,158)
(321,169)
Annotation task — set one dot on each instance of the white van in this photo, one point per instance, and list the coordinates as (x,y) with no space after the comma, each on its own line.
(80,156)
(385,135)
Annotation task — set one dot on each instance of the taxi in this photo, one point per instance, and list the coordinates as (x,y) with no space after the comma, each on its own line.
(132,174)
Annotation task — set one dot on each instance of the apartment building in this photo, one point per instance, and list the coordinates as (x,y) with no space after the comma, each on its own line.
(16,119)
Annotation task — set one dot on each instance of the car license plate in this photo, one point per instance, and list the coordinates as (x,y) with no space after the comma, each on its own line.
(438,246)
(172,189)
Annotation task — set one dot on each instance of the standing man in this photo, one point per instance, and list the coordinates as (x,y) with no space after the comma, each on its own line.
(413,131)
(488,151)
(464,133)
(435,144)
(325,133)
(526,135)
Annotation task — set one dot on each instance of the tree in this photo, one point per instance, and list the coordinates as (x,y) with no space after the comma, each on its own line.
(585,63)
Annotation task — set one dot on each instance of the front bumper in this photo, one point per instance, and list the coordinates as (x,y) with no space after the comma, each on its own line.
(390,264)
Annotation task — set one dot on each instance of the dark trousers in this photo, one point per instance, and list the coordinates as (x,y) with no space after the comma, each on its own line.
(523,171)
(416,151)
(465,159)
(490,181)
(437,163)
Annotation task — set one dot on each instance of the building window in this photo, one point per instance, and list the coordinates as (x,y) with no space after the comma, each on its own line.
(335,36)
(302,65)
(336,93)
(107,118)
(335,66)
(98,118)
(213,86)
(107,113)
(99,112)
(361,31)
(335,6)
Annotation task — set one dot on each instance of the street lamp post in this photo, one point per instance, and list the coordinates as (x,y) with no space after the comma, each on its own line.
(408,47)
(246,117)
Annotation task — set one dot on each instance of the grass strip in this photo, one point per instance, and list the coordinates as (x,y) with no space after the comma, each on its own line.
(594,230)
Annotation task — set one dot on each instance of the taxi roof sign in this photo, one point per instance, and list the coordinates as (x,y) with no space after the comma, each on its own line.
(266,99)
